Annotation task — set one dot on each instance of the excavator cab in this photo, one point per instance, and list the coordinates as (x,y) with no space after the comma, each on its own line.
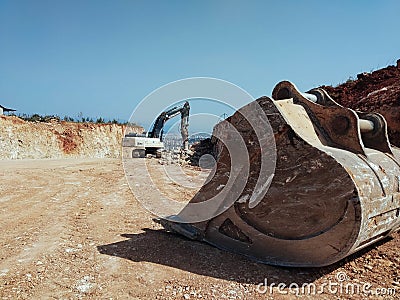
(135,145)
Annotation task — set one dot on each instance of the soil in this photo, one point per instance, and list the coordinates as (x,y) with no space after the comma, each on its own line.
(72,229)
(378,92)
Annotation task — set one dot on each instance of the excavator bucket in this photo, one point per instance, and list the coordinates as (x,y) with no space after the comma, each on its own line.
(335,188)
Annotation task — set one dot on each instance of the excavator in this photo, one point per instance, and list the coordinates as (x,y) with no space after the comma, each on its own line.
(138,145)
(335,188)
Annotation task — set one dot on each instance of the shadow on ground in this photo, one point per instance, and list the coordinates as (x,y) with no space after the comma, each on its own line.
(161,247)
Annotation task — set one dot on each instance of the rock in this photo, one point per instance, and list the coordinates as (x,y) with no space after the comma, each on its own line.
(369,267)
(362,75)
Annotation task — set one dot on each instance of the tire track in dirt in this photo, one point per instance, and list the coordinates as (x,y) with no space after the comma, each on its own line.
(104,208)
(47,220)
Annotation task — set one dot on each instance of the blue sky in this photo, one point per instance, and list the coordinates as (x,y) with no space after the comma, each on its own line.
(102,58)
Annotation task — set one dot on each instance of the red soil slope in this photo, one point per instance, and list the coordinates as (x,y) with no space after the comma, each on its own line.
(378,91)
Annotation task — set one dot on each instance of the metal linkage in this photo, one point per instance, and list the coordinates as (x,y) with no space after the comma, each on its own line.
(365,125)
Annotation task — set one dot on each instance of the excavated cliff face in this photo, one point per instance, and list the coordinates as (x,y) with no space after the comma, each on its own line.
(30,140)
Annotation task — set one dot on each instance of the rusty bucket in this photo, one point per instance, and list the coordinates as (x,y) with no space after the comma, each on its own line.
(335,187)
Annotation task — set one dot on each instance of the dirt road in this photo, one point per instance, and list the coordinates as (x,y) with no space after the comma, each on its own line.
(72,229)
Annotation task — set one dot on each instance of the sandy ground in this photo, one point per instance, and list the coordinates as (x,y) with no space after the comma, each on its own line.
(72,229)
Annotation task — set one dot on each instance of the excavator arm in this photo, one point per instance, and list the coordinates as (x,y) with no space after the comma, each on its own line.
(184,125)
(157,130)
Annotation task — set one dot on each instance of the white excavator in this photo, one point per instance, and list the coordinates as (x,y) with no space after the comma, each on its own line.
(138,145)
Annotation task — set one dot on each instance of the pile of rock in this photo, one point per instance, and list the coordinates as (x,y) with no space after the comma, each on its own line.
(180,157)
(206,146)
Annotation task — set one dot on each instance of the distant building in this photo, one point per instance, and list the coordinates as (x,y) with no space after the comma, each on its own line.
(5,109)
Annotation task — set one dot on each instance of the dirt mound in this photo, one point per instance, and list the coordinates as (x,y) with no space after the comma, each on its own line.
(378,91)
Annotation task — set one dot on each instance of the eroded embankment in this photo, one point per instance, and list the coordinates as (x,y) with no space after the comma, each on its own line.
(20,139)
